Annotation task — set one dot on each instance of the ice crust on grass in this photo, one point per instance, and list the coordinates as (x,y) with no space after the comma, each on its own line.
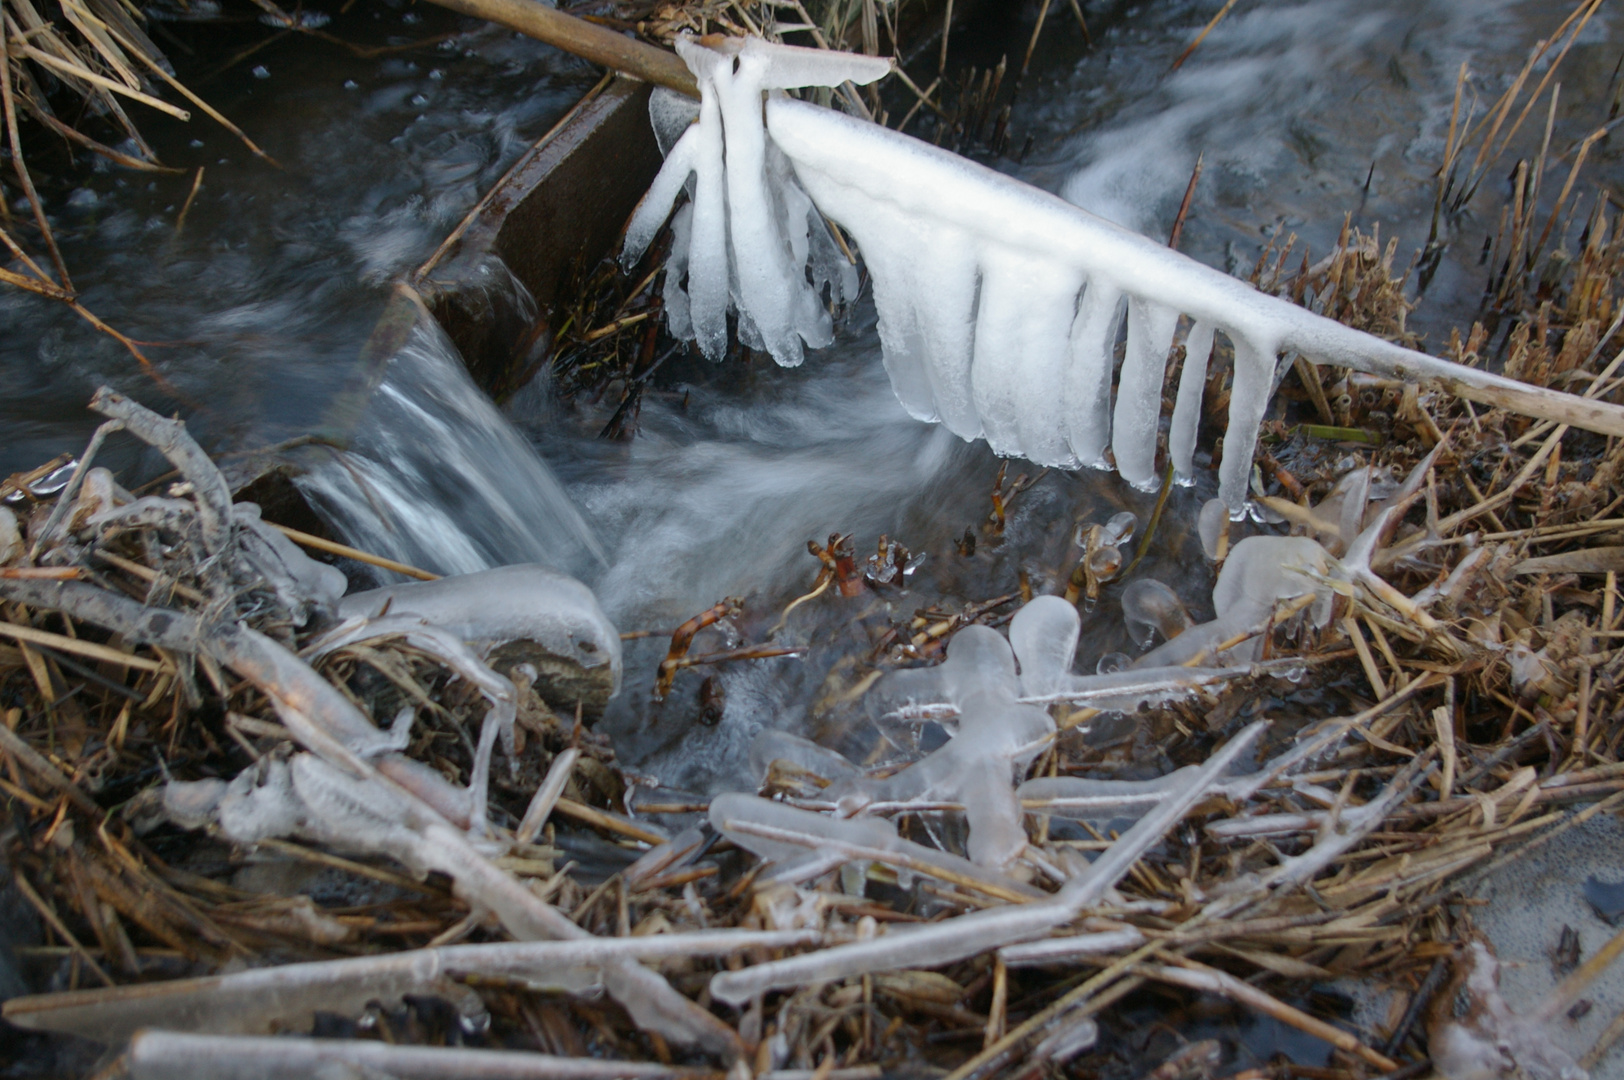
(490,608)
(999,304)
(935,944)
(995,736)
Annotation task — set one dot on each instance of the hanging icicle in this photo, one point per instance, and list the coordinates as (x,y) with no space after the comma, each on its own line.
(999,304)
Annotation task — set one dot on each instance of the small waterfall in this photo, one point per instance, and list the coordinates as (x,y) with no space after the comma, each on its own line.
(436,476)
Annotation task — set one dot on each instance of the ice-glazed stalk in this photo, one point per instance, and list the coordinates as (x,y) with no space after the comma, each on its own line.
(166,1055)
(285,997)
(998,303)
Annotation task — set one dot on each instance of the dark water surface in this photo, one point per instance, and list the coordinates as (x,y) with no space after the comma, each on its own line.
(259,307)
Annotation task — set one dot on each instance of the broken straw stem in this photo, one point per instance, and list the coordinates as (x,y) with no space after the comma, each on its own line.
(598,44)
(1212,981)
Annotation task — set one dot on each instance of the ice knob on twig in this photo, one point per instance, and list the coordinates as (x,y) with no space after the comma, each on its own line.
(1149,608)
(1044,637)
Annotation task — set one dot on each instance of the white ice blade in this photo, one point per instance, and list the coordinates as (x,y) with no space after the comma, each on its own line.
(1086,392)
(1139,391)
(1186,423)
(789,66)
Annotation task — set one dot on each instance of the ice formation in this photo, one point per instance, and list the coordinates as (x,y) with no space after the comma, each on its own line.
(993,709)
(286,997)
(1260,572)
(1149,608)
(999,304)
(807,844)
(996,736)
(492,608)
(935,944)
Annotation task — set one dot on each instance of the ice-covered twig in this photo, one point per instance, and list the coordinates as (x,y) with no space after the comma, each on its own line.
(165,1055)
(998,303)
(265,1000)
(547,795)
(1127,690)
(954,939)
(1339,831)
(772,830)
(449,650)
(359,809)
(173,441)
(1084,799)
(343,800)
(1063,950)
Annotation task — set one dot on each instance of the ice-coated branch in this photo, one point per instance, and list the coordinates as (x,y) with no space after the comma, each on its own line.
(285,997)
(170,438)
(941,943)
(999,304)
(166,1055)
(449,649)
(772,830)
(341,798)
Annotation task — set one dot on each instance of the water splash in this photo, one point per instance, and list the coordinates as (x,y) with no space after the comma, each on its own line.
(438,478)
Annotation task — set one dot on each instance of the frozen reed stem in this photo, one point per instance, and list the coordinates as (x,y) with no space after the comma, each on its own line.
(1064,950)
(547,795)
(264,1000)
(774,831)
(165,1055)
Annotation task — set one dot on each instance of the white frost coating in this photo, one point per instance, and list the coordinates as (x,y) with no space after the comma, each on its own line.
(998,303)
(511,603)
(1491,1040)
